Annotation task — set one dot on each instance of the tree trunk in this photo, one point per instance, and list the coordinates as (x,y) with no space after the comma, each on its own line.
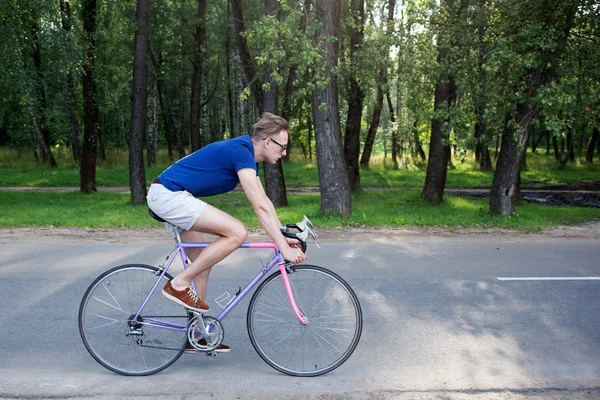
(505,186)
(44,137)
(395,141)
(370,140)
(355,98)
(137,173)
(444,99)
(593,142)
(333,178)
(439,148)
(91,131)
(197,78)
(152,124)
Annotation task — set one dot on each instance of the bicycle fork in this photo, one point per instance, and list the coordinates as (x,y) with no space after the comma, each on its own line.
(288,288)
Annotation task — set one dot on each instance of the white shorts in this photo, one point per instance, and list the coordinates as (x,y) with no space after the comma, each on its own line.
(181,208)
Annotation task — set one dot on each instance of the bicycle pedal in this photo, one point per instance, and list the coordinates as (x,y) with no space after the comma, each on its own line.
(212,354)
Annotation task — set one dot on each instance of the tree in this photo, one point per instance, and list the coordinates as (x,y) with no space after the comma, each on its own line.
(197,77)
(137,174)
(91,131)
(333,178)
(444,100)
(355,97)
(531,26)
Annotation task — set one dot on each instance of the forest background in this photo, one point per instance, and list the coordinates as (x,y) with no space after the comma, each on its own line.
(424,90)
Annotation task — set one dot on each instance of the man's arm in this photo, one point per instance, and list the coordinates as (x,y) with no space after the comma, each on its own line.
(266,214)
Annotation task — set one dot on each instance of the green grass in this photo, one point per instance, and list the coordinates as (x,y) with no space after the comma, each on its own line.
(398,207)
(373,208)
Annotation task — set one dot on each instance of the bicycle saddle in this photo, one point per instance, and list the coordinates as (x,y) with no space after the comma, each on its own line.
(156,217)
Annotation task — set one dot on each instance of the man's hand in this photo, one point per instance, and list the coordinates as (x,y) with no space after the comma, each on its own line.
(293,255)
(295,243)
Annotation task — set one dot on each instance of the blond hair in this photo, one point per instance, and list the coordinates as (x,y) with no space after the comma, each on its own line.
(270,125)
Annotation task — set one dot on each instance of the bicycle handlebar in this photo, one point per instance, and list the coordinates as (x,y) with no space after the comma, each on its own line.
(305,229)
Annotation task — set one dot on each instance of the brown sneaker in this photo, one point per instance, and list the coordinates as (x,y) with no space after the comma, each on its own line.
(186,298)
(189,349)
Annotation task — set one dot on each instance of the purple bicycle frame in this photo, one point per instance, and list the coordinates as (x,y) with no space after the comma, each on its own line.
(277,259)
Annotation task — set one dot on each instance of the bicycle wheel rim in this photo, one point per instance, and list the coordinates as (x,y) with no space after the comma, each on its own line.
(106,309)
(334,322)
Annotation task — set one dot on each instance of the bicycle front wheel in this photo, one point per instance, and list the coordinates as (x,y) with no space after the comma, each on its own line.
(116,338)
(334,321)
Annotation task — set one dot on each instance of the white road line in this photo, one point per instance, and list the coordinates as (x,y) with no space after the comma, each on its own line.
(557,278)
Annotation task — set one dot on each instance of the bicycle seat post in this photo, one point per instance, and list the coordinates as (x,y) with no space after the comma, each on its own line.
(175,233)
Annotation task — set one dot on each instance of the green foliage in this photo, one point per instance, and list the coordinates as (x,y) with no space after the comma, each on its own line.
(492,50)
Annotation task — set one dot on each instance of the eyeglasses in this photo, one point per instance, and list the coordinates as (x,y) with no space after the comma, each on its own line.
(283,146)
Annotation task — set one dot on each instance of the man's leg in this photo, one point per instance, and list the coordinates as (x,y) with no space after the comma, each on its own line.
(232,234)
(201,281)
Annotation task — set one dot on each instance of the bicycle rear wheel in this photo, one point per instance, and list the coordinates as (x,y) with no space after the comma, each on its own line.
(334,321)
(144,346)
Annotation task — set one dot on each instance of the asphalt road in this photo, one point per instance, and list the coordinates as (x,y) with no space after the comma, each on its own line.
(438,323)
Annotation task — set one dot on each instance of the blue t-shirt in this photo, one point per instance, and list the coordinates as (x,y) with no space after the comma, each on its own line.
(211,170)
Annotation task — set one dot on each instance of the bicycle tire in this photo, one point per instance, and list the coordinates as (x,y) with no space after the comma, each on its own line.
(334,321)
(105,313)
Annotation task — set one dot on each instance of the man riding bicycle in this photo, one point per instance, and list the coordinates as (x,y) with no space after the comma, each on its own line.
(215,169)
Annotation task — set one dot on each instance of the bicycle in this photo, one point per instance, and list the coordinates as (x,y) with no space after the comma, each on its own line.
(308,327)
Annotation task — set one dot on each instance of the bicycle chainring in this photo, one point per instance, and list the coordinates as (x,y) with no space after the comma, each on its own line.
(212,339)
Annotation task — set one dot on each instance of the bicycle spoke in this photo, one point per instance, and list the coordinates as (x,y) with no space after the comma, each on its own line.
(108,304)
(113,321)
